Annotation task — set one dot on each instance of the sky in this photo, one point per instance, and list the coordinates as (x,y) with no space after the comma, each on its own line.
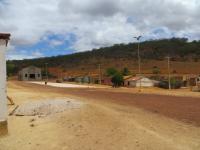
(41,28)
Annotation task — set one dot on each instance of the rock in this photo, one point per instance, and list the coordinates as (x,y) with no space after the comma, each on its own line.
(32,125)
(32,120)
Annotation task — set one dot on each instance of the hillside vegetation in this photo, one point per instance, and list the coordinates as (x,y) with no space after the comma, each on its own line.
(184,55)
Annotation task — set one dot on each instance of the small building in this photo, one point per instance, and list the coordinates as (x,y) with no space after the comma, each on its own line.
(83,79)
(86,79)
(136,81)
(78,79)
(107,81)
(30,73)
(69,79)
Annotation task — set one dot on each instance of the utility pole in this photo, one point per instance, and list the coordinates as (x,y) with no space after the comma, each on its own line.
(169,75)
(139,60)
(88,79)
(46,70)
(100,74)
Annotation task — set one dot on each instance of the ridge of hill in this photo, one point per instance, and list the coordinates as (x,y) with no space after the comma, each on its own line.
(184,55)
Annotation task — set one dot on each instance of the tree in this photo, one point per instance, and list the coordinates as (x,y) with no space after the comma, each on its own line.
(10,69)
(125,72)
(174,71)
(117,80)
(156,70)
(111,72)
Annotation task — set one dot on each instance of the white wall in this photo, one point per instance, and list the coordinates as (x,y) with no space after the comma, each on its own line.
(31,70)
(3,100)
(145,82)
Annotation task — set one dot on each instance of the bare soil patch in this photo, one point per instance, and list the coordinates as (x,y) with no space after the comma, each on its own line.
(185,109)
(109,120)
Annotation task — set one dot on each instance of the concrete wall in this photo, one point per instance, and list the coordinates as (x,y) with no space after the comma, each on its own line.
(130,83)
(3,100)
(145,82)
(25,73)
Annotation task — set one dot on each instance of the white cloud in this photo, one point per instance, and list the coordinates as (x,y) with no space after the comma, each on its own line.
(19,56)
(97,23)
(36,54)
(14,54)
(54,43)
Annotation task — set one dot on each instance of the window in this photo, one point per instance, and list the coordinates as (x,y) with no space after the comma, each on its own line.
(38,75)
(26,75)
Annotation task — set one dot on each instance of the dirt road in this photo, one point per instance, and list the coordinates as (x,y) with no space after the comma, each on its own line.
(109,120)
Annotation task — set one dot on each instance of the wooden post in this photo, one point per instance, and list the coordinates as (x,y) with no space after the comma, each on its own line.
(3,96)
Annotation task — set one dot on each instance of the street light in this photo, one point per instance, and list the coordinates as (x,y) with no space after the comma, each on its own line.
(100,74)
(46,73)
(169,75)
(139,59)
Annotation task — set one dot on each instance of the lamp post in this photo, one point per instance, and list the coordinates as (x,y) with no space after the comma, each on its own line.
(46,70)
(100,74)
(169,75)
(4,38)
(139,58)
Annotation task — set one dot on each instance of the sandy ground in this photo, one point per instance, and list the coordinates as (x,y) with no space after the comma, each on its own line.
(68,85)
(64,85)
(109,120)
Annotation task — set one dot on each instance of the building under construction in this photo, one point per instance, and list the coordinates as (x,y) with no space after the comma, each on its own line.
(30,73)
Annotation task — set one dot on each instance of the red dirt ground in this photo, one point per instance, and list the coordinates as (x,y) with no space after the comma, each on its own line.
(185,109)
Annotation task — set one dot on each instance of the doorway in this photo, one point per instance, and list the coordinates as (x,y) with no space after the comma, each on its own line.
(32,76)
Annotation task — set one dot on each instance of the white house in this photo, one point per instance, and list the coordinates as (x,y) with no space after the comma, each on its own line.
(4,38)
(136,81)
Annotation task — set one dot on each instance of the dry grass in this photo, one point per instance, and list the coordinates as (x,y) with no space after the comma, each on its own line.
(146,66)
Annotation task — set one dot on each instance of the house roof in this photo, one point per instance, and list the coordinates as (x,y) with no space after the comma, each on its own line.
(127,77)
(136,78)
(29,67)
(133,78)
(5,36)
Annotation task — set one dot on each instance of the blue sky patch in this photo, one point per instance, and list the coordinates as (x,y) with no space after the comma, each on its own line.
(49,45)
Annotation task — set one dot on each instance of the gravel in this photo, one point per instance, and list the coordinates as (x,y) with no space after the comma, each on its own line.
(46,107)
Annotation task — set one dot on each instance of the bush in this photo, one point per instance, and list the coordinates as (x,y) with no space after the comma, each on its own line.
(174,84)
(10,67)
(111,72)
(125,72)
(117,80)
(156,70)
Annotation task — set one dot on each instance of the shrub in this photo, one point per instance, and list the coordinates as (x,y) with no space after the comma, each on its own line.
(156,70)
(117,80)
(174,84)
(125,72)
(111,72)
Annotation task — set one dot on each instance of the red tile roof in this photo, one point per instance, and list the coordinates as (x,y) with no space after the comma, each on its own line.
(133,78)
